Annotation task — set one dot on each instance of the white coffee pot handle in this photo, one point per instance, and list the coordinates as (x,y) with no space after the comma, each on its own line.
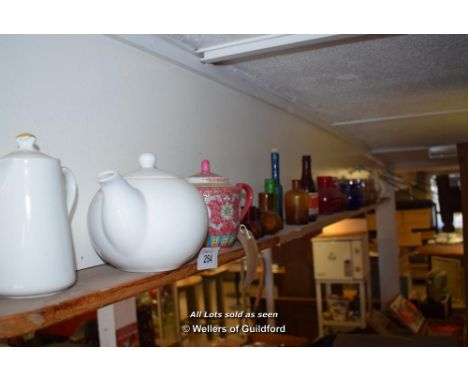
(71,189)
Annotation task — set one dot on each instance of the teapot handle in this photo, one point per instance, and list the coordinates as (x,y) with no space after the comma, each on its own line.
(71,189)
(248,198)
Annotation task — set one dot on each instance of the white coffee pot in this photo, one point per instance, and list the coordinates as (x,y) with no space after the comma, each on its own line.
(37,197)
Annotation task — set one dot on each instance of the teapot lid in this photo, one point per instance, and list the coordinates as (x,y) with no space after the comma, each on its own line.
(207,178)
(26,148)
(148,169)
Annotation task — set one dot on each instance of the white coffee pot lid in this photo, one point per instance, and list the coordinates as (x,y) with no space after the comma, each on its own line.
(27,149)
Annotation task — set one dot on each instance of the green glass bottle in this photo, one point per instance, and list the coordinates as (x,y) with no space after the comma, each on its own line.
(275,174)
(270,188)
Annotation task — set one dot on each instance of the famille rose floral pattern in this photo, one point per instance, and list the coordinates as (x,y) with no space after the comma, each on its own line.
(223,215)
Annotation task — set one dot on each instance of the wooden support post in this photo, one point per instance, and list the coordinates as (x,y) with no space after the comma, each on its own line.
(463,161)
(387,242)
(117,324)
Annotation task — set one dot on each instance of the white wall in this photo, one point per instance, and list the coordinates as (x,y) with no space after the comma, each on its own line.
(96,104)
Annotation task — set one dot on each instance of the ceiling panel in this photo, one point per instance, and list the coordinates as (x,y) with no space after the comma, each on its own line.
(400,74)
(382,78)
(417,158)
(424,131)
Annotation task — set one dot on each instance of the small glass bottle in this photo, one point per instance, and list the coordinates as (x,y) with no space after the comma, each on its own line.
(343,196)
(253,223)
(271,221)
(307,182)
(275,174)
(270,188)
(330,199)
(146,330)
(363,183)
(296,204)
(354,195)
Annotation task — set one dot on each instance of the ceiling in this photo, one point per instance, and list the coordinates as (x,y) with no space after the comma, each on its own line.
(394,95)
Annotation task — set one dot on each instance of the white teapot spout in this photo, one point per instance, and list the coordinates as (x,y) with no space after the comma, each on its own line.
(123,212)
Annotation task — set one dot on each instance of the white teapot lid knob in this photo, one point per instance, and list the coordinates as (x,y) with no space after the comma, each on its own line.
(26,141)
(147,160)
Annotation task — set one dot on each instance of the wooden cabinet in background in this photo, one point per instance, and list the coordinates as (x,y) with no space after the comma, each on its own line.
(409,222)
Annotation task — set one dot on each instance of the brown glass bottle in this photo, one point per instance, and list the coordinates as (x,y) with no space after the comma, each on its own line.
(271,221)
(253,223)
(296,203)
(308,184)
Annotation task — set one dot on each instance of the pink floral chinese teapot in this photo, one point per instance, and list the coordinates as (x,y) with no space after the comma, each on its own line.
(223,202)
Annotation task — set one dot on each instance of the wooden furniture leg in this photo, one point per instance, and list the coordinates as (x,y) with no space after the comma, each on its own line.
(269,284)
(318,296)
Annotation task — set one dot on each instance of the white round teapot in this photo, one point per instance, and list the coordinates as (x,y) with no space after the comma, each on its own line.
(37,196)
(147,221)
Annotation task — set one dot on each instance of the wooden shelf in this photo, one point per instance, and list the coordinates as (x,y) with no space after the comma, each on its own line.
(103,285)
(96,287)
(294,232)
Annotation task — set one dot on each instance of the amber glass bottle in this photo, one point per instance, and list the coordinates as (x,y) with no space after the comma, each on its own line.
(253,223)
(271,221)
(296,204)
